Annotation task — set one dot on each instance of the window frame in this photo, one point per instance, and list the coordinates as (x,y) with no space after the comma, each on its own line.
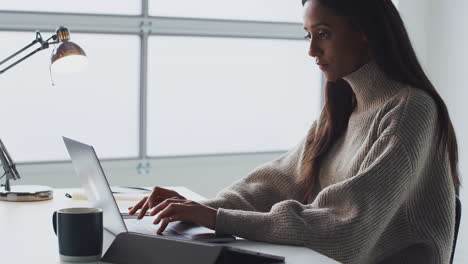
(144,25)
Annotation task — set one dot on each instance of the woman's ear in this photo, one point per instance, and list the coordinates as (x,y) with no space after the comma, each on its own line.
(363,36)
(365,46)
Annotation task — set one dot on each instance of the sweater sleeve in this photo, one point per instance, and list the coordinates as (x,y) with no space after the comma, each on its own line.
(346,218)
(266,185)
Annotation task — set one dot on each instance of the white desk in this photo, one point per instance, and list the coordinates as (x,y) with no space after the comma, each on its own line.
(27,236)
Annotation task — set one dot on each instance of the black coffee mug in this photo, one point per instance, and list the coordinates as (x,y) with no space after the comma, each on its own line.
(79,232)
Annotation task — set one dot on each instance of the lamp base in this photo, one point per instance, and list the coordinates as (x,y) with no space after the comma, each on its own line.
(27,193)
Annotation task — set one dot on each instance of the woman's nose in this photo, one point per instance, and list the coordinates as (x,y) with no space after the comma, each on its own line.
(314,49)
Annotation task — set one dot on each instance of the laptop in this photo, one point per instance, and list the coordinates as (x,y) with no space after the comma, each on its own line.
(98,191)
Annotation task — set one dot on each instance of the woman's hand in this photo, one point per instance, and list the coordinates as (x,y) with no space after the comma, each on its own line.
(174,207)
(157,196)
(184,210)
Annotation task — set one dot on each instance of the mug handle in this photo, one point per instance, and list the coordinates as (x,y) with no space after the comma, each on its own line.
(54,222)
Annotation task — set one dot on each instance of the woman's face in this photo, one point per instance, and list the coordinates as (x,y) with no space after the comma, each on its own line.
(338,48)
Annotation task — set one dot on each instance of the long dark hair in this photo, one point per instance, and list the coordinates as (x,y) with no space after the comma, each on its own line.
(391,49)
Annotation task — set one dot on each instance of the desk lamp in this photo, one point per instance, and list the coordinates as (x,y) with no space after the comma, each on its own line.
(66,57)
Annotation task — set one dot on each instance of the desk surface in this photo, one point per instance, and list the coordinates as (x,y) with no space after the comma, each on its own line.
(26,234)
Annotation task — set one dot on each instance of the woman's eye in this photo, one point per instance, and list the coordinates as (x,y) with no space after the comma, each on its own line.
(319,34)
(323,34)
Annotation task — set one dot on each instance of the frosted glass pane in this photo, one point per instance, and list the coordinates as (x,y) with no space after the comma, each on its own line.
(98,105)
(263,10)
(82,6)
(225,95)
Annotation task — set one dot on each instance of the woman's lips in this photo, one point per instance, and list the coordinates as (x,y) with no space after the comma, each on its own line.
(323,66)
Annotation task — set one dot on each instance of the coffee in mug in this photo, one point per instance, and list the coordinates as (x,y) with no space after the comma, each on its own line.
(80,233)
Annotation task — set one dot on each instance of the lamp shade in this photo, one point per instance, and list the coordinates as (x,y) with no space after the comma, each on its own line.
(68,57)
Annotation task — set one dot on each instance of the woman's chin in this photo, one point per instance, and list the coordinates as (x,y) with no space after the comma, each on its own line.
(330,77)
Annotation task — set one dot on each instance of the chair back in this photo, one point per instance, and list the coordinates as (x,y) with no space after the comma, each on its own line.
(457,225)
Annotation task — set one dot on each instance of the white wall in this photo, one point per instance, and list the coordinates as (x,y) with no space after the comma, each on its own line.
(415,13)
(438,29)
(447,43)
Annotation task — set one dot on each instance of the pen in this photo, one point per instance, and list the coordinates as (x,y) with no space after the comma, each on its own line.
(137,188)
(70,196)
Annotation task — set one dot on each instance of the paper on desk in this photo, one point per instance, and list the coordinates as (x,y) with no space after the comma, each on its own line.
(117,196)
(120,194)
(124,200)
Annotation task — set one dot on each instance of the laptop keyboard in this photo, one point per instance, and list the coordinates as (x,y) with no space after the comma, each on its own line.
(139,226)
(147,227)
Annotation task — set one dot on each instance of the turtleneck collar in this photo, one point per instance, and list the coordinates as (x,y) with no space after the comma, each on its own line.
(371,86)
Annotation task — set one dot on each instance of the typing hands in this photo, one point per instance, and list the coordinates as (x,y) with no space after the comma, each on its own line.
(171,207)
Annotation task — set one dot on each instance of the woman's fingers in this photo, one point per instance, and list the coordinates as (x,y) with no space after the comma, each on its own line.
(144,208)
(166,221)
(170,210)
(157,196)
(137,206)
(166,203)
(166,193)
(183,210)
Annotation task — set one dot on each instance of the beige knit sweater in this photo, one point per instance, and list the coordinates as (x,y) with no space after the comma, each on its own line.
(384,195)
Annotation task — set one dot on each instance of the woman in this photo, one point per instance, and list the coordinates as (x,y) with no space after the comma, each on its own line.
(374,180)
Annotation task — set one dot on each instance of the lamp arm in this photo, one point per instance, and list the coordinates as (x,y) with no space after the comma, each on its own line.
(8,167)
(44,45)
(22,59)
(8,161)
(4,161)
(19,51)
(7,170)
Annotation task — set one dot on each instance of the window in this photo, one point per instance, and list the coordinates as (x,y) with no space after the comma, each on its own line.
(98,105)
(83,6)
(260,10)
(162,85)
(221,95)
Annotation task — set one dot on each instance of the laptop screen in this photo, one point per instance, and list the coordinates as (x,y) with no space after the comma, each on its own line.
(95,184)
